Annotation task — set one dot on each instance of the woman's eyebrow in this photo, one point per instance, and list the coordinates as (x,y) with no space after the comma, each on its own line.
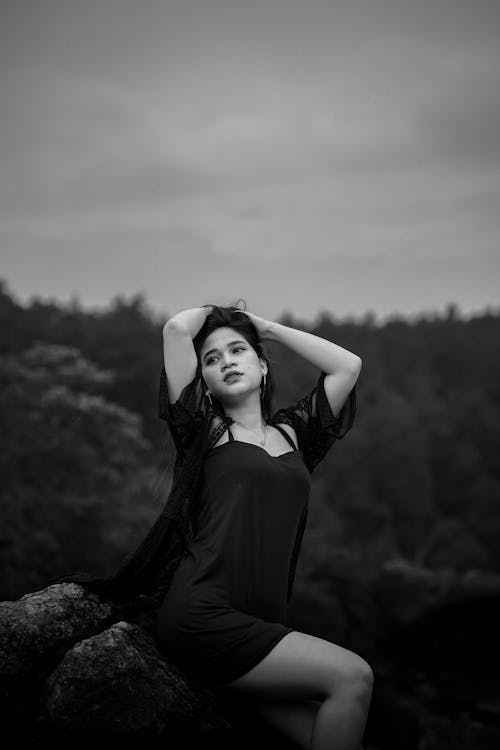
(231,343)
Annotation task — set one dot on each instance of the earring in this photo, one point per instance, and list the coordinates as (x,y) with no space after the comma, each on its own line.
(264,384)
(207,394)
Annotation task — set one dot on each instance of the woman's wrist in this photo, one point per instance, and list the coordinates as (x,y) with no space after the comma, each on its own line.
(273,330)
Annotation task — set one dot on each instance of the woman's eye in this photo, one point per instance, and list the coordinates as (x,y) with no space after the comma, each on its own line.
(235,349)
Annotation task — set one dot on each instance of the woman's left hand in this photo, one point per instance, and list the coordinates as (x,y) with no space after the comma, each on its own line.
(262,325)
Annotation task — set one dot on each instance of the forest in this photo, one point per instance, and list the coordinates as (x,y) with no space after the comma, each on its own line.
(406,505)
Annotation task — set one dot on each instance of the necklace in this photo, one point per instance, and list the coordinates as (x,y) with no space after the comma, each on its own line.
(262,440)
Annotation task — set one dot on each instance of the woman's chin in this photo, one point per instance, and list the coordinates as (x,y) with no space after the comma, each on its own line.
(238,388)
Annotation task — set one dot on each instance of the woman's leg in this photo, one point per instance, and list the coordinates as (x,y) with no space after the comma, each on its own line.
(302,667)
(293,718)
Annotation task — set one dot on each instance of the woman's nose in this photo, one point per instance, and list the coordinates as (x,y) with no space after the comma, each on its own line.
(227,360)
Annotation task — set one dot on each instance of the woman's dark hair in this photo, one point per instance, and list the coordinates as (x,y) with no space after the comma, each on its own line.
(231,316)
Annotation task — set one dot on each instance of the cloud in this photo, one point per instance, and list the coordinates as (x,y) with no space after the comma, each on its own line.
(338,133)
(464,129)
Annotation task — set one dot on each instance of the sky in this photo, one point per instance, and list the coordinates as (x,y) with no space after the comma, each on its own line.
(337,156)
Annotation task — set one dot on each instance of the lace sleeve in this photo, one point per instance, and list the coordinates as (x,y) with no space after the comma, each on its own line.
(186,416)
(316,426)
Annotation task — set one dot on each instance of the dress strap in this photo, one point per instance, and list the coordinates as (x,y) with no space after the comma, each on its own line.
(285,434)
(230,435)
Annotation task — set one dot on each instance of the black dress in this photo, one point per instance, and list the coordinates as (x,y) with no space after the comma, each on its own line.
(226,606)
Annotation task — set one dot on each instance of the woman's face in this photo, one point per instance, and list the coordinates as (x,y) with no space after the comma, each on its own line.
(226,351)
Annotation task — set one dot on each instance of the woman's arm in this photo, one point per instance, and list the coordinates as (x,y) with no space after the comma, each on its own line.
(341,366)
(178,350)
(329,357)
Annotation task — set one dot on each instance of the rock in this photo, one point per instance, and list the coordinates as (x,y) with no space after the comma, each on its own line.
(72,673)
(117,683)
(36,631)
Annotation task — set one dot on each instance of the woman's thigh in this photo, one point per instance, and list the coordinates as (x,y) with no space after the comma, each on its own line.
(302,666)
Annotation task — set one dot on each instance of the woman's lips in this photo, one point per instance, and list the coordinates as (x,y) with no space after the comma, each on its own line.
(232,378)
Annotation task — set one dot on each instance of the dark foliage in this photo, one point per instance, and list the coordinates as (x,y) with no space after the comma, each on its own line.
(417,482)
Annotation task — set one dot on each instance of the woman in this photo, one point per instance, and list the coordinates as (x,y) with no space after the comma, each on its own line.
(223,615)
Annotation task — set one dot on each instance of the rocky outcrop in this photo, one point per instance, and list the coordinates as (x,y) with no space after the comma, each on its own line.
(76,668)
(71,672)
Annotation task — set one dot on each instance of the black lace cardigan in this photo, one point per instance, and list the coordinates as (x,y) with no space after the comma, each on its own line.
(145,575)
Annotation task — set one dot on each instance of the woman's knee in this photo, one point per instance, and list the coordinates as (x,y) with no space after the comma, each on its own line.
(305,666)
(356,678)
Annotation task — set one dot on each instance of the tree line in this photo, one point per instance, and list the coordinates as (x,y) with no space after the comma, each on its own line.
(86,462)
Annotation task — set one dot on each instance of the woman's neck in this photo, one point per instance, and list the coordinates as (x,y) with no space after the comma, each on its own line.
(248,415)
